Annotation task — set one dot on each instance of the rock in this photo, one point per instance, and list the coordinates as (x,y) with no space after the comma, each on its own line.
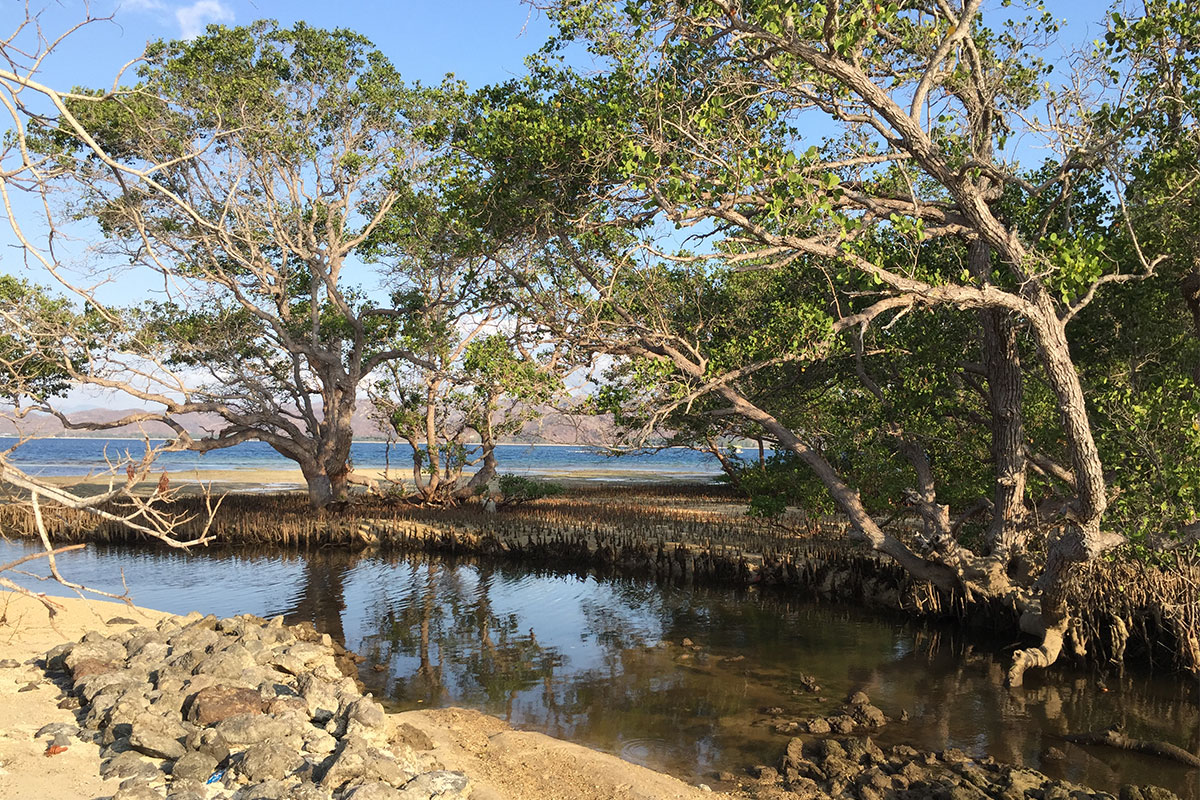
(818,726)
(216,703)
(953,755)
(55,657)
(246,729)
(367,712)
(765,774)
(94,666)
(321,697)
(157,736)
(378,791)
(842,724)
(437,785)
(137,791)
(858,699)
(229,663)
(1147,792)
(266,790)
(415,738)
(307,652)
(308,791)
(125,764)
(287,705)
(1023,781)
(268,761)
(98,650)
(187,790)
(9,663)
(210,742)
(319,743)
(863,751)
(804,788)
(121,621)
(1053,754)
(868,714)
(795,754)
(150,654)
(356,758)
(195,766)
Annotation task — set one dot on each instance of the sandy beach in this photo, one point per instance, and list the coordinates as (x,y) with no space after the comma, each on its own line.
(29,700)
(273,481)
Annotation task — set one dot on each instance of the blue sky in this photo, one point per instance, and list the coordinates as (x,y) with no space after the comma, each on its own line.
(482,41)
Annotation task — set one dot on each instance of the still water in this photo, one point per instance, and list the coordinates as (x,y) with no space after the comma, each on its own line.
(600,660)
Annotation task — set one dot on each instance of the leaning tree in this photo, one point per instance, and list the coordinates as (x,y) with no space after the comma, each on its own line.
(862,158)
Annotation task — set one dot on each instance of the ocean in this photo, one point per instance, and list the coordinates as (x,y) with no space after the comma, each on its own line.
(81,456)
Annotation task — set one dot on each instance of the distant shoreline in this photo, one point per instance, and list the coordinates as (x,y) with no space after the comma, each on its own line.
(355,441)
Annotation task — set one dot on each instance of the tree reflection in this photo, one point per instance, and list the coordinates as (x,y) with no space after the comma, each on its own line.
(464,650)
(322,596)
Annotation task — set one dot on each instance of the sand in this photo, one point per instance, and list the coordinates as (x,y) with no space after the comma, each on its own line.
(221,481)
(503,764)
(26,632)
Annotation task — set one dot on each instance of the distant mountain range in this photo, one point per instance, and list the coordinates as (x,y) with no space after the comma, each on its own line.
(551,428)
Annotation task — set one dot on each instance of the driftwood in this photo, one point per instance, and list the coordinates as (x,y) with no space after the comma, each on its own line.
(1113,737)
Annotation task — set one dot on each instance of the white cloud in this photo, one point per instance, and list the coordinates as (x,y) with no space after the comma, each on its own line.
(194,18)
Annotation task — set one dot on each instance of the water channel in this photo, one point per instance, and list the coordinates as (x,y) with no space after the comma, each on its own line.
(601,661)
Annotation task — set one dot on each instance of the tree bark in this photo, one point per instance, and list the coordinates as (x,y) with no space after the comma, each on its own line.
(487,468)
(1005,393)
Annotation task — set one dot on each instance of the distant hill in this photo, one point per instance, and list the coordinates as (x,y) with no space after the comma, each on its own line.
(552,428)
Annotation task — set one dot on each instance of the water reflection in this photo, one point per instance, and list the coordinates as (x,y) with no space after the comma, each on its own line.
(602,661)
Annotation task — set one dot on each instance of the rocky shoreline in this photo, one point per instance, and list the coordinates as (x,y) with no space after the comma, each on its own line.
(198,708)
(243,708)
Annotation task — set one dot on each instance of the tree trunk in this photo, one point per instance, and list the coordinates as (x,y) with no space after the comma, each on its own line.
(320,488)
(940,574)
(1080,539)
(487,469)
(1005,393)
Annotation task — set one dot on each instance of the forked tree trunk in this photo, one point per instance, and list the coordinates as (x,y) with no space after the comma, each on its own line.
(487,444)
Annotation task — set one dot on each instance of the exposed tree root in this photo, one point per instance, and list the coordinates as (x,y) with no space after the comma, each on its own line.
(1043,656)
(1112,737)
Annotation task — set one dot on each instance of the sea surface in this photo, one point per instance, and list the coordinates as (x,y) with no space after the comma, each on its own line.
(83,456)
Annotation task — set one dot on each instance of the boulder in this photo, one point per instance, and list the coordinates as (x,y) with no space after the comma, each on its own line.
(194,766)
(377,791)
(246,729)
(229,663)
(157,736)
(137,791)
(267,761)
(217,703)
(356,759)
